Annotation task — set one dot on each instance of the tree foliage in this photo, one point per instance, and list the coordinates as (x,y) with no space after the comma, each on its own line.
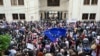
(4,42)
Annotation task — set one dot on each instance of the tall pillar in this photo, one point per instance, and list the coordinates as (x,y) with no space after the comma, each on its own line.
(63,15)
(70,9)
(32,10)
(43,15)
(98,10)
(60,15)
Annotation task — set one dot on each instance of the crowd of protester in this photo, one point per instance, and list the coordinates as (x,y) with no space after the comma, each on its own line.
(77,42)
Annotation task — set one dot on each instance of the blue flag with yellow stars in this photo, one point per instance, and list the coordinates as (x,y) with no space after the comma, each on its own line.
(54,33)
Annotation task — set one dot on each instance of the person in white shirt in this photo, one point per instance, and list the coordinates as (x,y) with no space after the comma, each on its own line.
(12,52)
(67,43)
(80,49)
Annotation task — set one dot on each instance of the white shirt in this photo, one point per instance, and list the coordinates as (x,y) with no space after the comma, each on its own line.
(71,34)
(13,51)
(79,48)
(67,43)
(12,42)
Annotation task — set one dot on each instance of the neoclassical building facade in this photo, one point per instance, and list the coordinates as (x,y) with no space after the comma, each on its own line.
(35,10)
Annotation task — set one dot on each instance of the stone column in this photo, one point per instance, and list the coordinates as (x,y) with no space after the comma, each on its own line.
(70,9)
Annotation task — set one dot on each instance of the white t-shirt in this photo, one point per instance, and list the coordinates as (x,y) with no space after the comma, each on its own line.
(79,48)
(12,42)
(13,51)
(67,43)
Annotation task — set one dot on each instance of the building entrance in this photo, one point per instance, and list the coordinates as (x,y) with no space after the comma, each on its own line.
(53,15)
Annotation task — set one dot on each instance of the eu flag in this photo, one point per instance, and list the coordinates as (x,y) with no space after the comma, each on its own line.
(54,33)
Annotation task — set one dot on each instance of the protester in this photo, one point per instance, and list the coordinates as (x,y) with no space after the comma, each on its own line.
(98,46)
(30,40)
(12,52)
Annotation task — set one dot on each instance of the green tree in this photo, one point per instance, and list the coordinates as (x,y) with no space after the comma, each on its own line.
(4,43)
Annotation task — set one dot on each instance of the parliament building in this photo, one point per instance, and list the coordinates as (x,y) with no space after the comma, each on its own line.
(35,10)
